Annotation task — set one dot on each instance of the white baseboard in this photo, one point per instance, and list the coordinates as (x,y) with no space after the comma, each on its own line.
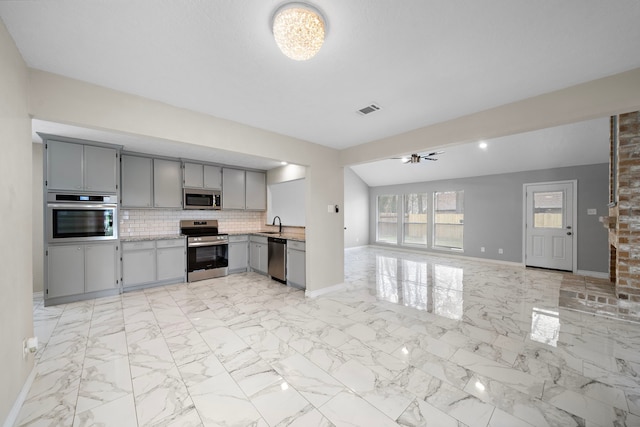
(12,418)
(596,274)
(318,292)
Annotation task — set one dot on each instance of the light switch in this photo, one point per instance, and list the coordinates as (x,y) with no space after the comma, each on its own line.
(592,212)
(330,208)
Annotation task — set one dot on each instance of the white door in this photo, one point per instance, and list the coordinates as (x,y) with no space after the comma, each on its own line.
(549,231)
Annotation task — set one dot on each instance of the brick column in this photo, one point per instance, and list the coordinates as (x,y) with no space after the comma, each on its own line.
(628,209)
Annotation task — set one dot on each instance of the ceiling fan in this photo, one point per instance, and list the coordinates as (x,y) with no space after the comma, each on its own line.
(415,158)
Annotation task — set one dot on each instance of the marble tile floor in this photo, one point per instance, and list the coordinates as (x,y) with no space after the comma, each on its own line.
(411,340)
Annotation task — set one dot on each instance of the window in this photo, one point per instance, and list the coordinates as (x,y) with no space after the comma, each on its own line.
(415,219)
(448,219)
(548,209)
(388,219)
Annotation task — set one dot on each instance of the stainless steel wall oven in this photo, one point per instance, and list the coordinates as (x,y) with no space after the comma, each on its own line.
(81,217)
(207,250)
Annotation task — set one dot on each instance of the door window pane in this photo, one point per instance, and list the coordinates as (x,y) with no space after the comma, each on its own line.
(448,224)
(388,219)
(548,209)
(415,219)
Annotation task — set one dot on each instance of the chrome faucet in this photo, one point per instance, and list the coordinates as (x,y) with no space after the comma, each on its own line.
(279,222)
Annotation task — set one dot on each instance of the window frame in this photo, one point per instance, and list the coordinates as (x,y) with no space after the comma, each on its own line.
(425,195)
(434,223)
(378,222)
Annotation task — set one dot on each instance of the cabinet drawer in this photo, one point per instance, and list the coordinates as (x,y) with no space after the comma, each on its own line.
(170,243)
(259,239)
(294,244)
(240,238)
(136,246)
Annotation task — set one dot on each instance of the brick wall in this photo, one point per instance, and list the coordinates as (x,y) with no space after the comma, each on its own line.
(626,238)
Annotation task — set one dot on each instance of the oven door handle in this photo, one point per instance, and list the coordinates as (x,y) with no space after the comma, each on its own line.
(201,244)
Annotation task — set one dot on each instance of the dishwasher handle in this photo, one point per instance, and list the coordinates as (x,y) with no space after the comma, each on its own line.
(277,240)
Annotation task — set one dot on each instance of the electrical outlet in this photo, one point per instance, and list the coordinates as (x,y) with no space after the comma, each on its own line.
(482,249)
(500,251)
(592,212)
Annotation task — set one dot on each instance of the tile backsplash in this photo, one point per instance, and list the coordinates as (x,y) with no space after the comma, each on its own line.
(158,222)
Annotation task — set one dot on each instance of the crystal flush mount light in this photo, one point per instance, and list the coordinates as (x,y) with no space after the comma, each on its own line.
(299,30)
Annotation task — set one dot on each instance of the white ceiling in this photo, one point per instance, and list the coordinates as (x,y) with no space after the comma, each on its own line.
(423,61)
(583,143)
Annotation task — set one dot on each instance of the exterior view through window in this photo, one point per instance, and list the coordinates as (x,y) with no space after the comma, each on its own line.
(548,209)
(415,219)
(388,218)
(448,221)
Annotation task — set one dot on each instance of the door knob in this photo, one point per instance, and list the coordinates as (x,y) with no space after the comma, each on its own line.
(568,233)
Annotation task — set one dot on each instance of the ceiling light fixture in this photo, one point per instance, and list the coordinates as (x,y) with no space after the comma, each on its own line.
(483,145)
(299,30)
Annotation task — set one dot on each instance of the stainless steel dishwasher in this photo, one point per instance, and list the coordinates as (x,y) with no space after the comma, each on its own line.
(278,259)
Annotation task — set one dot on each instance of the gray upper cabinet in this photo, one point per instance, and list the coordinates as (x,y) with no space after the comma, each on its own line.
(202,176)
(193,175)
(148,182)
(137,184)
(100,169)
(167,184)
(233,189)
(212,177)
(78,167)
(256,191)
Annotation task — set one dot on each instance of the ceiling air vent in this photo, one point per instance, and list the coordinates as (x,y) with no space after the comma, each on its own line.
(372,108)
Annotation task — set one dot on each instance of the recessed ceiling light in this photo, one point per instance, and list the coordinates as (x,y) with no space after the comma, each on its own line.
(483,145)
(283,163)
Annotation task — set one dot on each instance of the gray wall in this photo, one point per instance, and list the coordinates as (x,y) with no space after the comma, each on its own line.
(493,211)
(356,210)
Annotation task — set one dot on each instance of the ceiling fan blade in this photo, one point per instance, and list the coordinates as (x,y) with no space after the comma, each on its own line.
(434,153)
(430,158)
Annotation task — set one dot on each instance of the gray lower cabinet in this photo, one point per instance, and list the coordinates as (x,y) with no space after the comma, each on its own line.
(73,270)
(259,254)
(65,271)
(100,263)
(296,264)
(171,260)
(238,253)
(138,263)
(153,262)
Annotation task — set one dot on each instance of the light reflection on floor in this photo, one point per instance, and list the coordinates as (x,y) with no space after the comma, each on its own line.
(431,287)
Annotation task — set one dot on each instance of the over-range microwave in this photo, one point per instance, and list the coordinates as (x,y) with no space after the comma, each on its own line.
(195,198)
(81,217)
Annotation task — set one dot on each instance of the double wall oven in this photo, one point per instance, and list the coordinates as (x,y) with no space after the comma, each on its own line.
(81,217)
(207,250)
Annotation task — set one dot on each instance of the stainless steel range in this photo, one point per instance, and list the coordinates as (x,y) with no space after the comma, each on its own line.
(207,250)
